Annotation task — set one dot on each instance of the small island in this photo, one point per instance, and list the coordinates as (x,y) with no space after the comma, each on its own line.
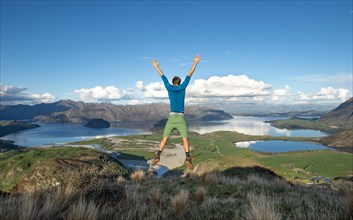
(97,123)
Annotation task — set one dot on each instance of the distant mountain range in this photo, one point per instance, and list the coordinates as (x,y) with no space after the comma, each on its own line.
(67,111)
(265,109)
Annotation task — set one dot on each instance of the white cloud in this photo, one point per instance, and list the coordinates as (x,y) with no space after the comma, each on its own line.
(219,87)
(329,93)
(280,94)
(46,97)
(228,86)
(140,86)
(143,101)
(98,93)
(16,95)
(156,90)
(10,90)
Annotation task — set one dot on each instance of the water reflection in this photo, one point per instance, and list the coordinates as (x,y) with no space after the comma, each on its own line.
(252,126)
(280,146)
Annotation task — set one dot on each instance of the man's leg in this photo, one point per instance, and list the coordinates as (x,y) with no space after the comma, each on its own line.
(157,157)
(183,130)
(188,161)
(186,144)
(163,143)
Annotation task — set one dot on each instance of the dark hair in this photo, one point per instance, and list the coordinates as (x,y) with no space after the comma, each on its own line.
(176,80)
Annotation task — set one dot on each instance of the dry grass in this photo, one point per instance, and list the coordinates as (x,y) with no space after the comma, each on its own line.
(83,210)
(120,180)
(138,176)
(213,176)
(349,195)
(215,197)
(200,194)
(261,207)
(180,202)
(155,195)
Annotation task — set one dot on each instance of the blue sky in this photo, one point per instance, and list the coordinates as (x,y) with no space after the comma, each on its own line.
(59,47)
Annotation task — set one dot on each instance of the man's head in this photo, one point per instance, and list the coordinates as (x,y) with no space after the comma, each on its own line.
(176,80)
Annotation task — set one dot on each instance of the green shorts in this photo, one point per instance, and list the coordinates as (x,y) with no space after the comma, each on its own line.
(176,121)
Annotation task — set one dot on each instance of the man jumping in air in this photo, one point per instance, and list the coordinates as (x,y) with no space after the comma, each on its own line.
(176,93)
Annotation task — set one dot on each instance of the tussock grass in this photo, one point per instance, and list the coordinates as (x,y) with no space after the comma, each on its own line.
(120,180)
(155,195)
(180,202)
(200,193)
(138,176)
(83,210)
(261,207)
(206,196)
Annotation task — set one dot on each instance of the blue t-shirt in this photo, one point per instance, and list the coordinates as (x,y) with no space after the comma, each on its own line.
(176,94)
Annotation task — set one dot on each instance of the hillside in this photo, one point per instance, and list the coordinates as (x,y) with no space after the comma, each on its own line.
(28,169)
(209,195)
(8,127)
(81,183)
(22,112)
(78,112)
(338,119)
(341,117)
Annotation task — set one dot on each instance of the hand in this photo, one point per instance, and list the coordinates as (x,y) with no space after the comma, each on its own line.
(155,63)
(197,58)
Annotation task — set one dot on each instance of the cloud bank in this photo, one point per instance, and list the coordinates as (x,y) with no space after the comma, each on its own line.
(14,95)
(240,88)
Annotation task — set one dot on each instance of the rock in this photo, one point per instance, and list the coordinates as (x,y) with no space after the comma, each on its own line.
(97,123)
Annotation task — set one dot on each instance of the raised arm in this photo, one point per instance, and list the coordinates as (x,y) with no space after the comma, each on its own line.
(196,61)
(156,65)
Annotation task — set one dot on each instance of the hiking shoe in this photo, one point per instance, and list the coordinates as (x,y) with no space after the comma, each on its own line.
(155,161)
(188,163)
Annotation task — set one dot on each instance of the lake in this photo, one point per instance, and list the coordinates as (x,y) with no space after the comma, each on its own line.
(253,126)
(63,133)
(50,133)
(280,146)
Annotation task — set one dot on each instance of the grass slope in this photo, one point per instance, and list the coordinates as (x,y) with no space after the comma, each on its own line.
(211,195)
(36,168)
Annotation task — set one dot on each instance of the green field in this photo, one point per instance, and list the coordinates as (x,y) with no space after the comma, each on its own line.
(306,164)
(218,148)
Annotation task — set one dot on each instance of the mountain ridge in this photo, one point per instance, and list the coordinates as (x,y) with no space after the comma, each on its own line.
(68,111)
